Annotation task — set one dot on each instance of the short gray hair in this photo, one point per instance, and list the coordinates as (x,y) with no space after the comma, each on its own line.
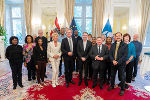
(68,30)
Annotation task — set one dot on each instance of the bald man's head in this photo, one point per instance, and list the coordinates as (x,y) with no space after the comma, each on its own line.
(40,33)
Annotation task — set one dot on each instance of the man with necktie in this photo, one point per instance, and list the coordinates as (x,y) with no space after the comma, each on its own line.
(98,54)
(68,52)
(83,49)
(118,54)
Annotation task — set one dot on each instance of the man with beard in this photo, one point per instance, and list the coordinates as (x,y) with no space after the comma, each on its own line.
(118,54)
(76,37)
(61,37)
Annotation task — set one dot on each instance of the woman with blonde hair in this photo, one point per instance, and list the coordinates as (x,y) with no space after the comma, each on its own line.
(54,54)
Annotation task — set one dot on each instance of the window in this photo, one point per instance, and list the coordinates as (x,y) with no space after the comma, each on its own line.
(147,37)
(15,20)
(83,16)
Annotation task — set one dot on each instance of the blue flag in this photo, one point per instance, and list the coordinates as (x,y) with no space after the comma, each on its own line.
(73,25)
(107,29)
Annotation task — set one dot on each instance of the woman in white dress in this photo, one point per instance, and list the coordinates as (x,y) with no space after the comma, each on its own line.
(54,54)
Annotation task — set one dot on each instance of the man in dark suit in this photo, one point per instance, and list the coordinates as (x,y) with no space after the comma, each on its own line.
(118,54)
(76,37)
(83,49)
(44,39)
(98,53)
(68,51)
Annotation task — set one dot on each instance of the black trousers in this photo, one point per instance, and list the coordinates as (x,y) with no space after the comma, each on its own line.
(60,65)
(16,73)
(98,67)
(129,70)
(31,70)
(83,65)
(121,74)
(90,69)
(107,72)
(76,64)
(136,60)
(69,64)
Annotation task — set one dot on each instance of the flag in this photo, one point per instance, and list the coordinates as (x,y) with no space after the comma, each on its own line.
(51,33)
(56,23)
(107,29)
(73,25)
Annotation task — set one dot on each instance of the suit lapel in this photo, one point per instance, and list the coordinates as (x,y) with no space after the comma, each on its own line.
(86,45)
(96,48)
(67,42)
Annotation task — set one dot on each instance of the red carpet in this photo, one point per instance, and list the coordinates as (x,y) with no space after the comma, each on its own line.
(75,92)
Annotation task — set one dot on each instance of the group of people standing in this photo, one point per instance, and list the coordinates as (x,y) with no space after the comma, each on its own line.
(95,57)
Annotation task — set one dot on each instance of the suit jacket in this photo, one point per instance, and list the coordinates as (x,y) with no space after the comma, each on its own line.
(65,48)
(44,39)
(80,49)
(52,50)
(76,42)
(122,53)
(94,52)
(39,55)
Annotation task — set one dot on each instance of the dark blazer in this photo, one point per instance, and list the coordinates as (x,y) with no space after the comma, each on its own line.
(39,55)
(94,52)
(65,48)
(76,43)
(121,55)
(14,54)
(44,39)
(80,49)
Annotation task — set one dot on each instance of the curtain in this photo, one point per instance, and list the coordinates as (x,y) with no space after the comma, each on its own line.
(2,12)
(145,12)
(97,17)
(69,10)
(28,15)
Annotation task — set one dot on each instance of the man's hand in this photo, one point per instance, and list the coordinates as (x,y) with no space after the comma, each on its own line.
(115,62)
(97,58)
(36,66)
(69,53)
(83,59)
(101,58)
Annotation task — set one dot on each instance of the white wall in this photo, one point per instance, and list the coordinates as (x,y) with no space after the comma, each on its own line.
(37,7)
(134,13)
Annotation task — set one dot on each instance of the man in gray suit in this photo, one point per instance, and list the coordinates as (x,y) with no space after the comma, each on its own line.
(98,53)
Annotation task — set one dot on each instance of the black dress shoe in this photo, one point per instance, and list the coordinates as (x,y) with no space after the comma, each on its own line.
(121,93)
(14,87)
(110,88)
(45,76)
(29,79)
(67,85)
(72,82)
(101,87)
(21,86)
(93,86)
(86,83)
(79,83)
